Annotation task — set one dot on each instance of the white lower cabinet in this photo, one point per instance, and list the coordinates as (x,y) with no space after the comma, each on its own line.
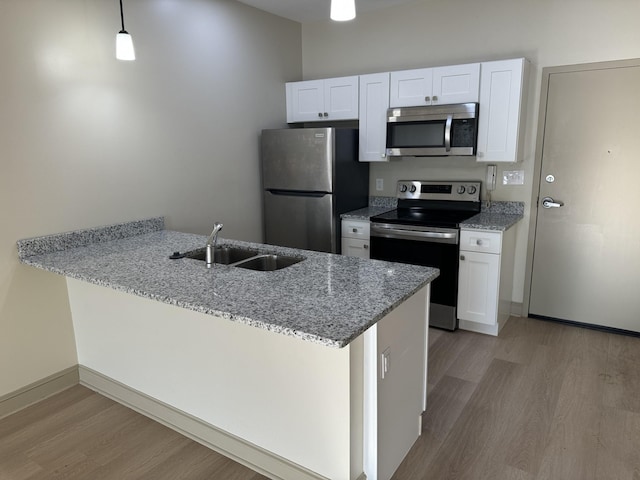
(485,279)
(355,238)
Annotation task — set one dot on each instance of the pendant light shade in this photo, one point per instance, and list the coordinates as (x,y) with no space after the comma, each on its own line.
(124,46)
(124,42)
(343,10)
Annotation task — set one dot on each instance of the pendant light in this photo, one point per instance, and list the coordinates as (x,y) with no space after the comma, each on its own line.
(343,10)
(124,42)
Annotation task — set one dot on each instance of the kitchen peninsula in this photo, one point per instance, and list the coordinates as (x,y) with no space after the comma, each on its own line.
(317,370)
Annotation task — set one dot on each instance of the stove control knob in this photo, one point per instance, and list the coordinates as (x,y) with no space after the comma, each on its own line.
(472,190)
(461,189)
(403,187)
(412,189)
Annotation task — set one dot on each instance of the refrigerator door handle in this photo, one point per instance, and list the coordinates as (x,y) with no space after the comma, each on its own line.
(297,193)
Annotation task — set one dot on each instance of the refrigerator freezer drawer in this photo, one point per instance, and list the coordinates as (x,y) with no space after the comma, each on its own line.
(300,220)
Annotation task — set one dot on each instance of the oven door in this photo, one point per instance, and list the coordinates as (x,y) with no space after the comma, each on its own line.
(432,247)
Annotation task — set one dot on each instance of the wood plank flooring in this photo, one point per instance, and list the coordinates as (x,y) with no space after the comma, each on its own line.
(81,435)
(543,401)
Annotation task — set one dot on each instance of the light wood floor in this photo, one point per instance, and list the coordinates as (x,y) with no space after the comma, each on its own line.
(542,402)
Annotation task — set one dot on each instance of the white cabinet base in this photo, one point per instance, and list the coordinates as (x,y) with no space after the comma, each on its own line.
(485,282)
(481,327)
(355,238)
(234,388)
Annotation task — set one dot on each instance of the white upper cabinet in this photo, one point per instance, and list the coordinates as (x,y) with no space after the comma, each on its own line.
(374,103)
(411,87)
(500,123)
(435,86)
(456,84)
(322,100)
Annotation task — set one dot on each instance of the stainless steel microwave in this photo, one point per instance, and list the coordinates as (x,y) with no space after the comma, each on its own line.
(437,131)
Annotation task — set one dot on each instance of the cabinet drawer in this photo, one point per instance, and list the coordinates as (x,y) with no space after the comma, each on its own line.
(353,247)
(480,241)
(355,229)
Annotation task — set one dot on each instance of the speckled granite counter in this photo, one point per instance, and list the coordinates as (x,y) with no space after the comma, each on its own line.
(491,221)
(498,216)
(364,213)
(326,299)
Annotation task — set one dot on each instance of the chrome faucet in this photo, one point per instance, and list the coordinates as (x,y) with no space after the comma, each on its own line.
(211,244)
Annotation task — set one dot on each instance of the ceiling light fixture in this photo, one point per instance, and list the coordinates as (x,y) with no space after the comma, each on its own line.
(124,42)
(343,10)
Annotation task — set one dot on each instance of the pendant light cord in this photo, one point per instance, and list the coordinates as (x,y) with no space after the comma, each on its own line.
(122,18)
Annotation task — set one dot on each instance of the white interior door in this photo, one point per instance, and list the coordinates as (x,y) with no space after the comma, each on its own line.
(586,265)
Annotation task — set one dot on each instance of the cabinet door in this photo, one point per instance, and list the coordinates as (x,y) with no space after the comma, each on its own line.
(456,84)
(340,98)
(499,129)
(305,101)
(478,283)
(411,88)
(352,247)
(374,103)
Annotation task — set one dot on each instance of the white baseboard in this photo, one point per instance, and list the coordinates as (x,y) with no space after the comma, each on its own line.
(516,309)
(239,450)
(37,391)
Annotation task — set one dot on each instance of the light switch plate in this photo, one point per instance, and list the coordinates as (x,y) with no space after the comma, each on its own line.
(513,177)
(379,184)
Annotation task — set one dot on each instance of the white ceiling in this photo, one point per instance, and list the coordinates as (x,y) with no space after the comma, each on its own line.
(313,10)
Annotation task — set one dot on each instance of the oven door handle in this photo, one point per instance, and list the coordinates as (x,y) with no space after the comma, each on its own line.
(402,233)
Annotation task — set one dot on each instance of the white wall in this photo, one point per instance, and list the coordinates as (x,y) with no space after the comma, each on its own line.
(445,32)
(86,140)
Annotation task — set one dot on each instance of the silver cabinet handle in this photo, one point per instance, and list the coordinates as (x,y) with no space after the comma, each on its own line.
(447,133)
(462,257)
(548,202)
(427,99)
(355,230)
(435,98)
(366,247)
(320,114)
(326,114)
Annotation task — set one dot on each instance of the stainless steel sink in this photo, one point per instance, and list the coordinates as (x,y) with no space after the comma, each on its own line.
(245,258)
(223,254)
(269,263)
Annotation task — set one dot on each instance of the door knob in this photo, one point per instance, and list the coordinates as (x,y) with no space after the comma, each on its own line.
(548,202)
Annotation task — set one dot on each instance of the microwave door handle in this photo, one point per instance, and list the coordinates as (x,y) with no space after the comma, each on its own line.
(447,133)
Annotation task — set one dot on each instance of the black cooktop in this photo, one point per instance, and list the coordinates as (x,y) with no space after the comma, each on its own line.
(424,217)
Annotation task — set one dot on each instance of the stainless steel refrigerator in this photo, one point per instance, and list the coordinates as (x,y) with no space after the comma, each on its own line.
(310,176)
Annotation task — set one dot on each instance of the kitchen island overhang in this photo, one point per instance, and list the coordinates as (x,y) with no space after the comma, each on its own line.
(244,354)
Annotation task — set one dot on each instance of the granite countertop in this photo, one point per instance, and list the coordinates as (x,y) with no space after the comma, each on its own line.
(491,221)
(365,213)
(326,299)
(496,216)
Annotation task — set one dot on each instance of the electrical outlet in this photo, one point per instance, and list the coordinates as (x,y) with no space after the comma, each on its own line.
(379,184)
(385,363)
